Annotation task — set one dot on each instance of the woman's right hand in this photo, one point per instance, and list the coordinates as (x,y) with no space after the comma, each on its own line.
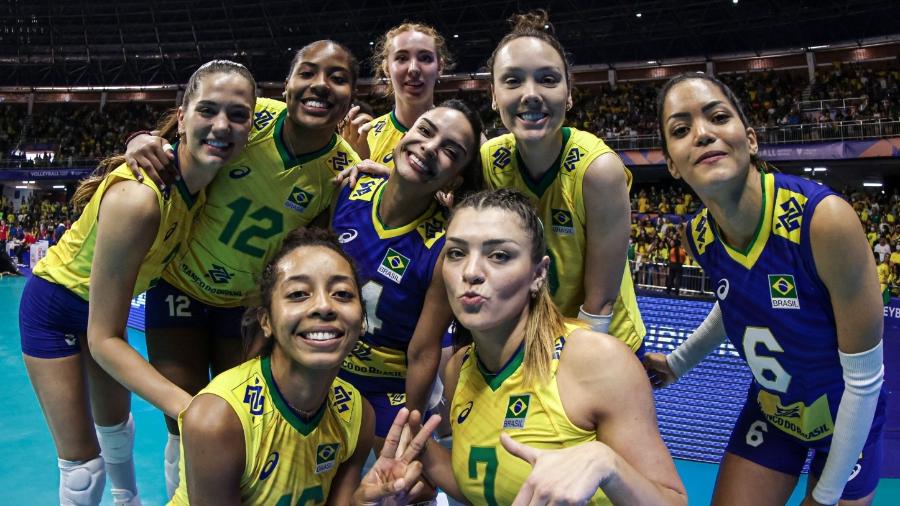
(153,154)
(356,131)
(352,173)
(658,370)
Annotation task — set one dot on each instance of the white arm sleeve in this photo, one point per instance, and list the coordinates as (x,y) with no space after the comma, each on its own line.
(863,376)
(598,322)
(707,337)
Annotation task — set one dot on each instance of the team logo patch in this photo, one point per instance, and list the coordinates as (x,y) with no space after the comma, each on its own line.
(464,413)
(364,188)
(558,347)
(362,351)
(342,402)
(572,158)
(267,469)
(562,222)
(783,291)
(396,399)
(516,411)
(299,199)
(379,126)
(788,220)
(326,455)
(340,161)
(262,119)
(239,172)
(502,157)
(219,274)
(254,398)
(393,265)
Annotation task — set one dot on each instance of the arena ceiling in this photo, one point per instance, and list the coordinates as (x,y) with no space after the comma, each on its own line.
(127,42)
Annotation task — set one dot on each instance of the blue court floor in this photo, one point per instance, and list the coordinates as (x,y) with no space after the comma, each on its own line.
(31,476)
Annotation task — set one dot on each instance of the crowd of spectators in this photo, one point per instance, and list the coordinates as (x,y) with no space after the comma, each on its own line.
(43,217)
(879,213)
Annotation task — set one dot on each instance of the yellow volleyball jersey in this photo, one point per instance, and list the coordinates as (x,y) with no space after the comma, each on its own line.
(68,263)
(253,203)
(384,136)
(485,405)
(287,460)
(559,201)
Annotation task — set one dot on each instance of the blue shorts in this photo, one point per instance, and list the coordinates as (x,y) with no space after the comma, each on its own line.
(761,442)
(51,319)
(168,307)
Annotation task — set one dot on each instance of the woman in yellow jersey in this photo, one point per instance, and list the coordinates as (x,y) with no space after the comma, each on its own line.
(281,428)
(535,389)
(282,181)
(411,56)
(119,246)
(577,183)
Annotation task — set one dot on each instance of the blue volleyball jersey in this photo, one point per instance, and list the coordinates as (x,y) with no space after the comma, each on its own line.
(395,266)
(777,311)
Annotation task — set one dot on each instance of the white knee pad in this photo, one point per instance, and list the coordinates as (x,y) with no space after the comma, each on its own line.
(172,455)
(117,441)
(81,483)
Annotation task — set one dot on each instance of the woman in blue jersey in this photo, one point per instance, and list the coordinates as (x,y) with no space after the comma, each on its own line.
(394,230)
(282,181)
(543,410)
(124,238)
(281,428)
(797,296)
(577,183)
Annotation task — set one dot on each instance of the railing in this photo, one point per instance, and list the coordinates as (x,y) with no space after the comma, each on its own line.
(653,276)
(807,132)
(830,104)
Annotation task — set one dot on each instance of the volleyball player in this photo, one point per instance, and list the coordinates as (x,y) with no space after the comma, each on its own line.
(536,390)
(126,235)
(798,297)
(281,428)
(394,230)
(282,181)
(577,183)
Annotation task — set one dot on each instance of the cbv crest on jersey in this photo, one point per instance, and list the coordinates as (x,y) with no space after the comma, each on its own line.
(516,411)
(783,291)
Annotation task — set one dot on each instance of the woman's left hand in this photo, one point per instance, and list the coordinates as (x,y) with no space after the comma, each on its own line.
(568,476)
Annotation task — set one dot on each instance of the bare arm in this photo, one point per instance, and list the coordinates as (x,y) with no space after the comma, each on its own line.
(608,213)
(212,440)
(424,352)
(127,224)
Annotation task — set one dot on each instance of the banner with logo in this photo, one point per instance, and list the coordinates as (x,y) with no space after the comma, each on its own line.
(36,174)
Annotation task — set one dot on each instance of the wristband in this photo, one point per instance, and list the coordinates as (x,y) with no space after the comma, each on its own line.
(598,323)
(136,134)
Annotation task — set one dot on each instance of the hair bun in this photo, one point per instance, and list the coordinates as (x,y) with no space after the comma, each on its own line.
(534,21)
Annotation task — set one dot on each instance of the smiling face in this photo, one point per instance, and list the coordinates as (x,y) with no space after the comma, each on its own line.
(316,313)
(488,268)
(413,66)
(530,88)
(436,149)
(707,142)
(216,121)
(320,88)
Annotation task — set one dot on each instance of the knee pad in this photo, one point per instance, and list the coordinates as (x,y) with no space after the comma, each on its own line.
(117,441)
(81,483)
(172,456)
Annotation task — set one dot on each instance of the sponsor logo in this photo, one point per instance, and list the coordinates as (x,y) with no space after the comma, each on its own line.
(722,289)
(396,399)
(363,187)
(219,274)
(340,161)
(791,212)
(562,222)
(362,351)
(516,411)
(502,157)
(299,199)
(571,159)
(856,469)
(393,265)
(379,126)
(348,236)
(254,398)
(783,291)
(70,339)
(262,118)
(464,413)
(267,469)
(239,172)
(342,399)
(326,454)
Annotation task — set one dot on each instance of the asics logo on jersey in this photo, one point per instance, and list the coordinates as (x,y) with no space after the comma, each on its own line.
(571,159)
(722,289)
(465,412)
(379,127)
(502,157)
(393,265)
(70,339)
(348,236)
(516,411)
(262,119)
(170,231)
(326,454)
(299,199)
(341,399)
(219,274)
(388,158)
(267,469)
(340,161)
(254,398)
(792,211)
(239,172)
(562,222)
